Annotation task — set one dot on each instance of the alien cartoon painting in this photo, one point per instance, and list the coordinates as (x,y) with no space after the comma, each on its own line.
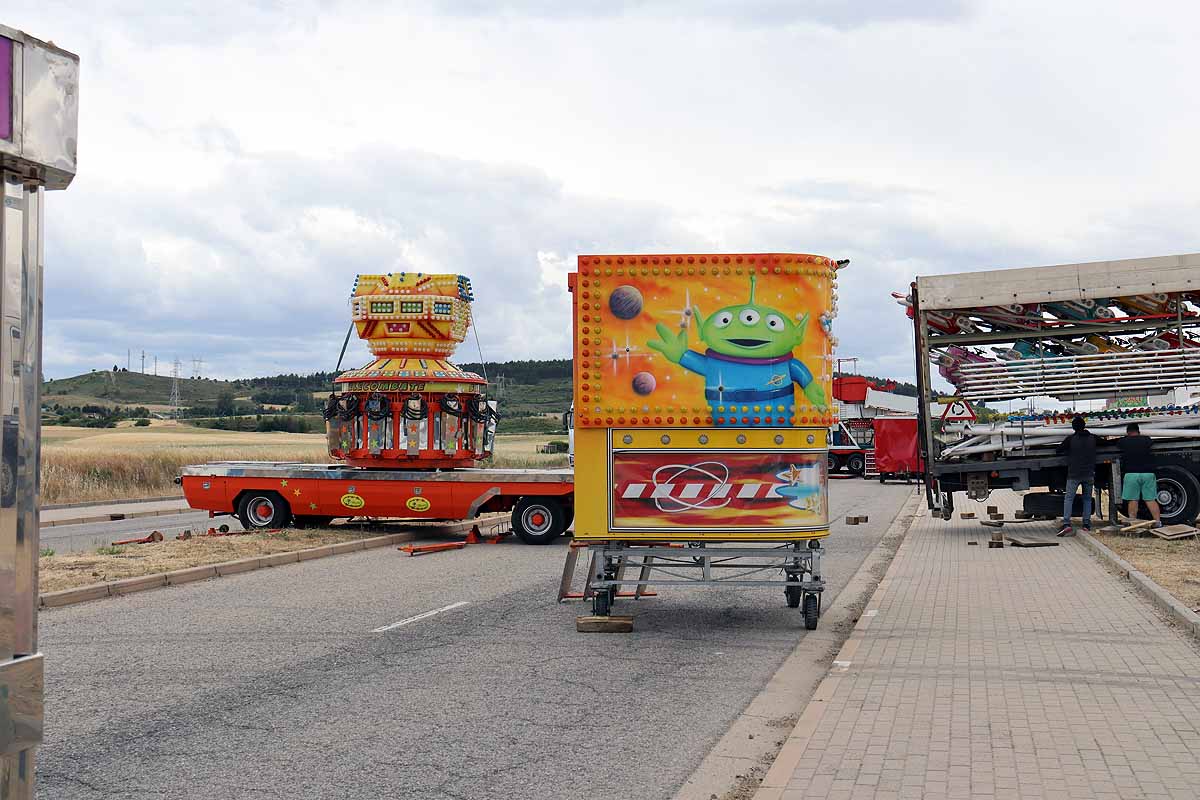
(748,366)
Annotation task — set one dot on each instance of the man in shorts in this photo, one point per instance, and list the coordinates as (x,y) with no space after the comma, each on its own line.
(1138,481)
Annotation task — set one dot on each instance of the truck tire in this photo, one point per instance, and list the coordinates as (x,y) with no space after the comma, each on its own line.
(856,464)
(263,509)
(1178,495)
(835,463)
(538,520)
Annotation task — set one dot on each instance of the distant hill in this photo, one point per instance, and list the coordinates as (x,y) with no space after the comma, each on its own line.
(524,388)
(129,388)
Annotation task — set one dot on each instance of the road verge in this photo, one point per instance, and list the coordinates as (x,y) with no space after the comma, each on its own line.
(98,591)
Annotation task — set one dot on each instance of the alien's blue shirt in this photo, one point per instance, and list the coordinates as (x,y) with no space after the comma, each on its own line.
(732,380)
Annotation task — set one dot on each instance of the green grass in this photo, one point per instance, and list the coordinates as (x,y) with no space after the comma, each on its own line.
(46,552)
(109,550)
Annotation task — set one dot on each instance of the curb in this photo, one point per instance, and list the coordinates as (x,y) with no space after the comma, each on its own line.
(98,591)
(735,757)
(775,783)
(132,501)
(115,517)
(1160,597)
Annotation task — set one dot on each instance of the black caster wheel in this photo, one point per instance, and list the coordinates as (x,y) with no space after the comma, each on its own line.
(812,610)
(793,595)
(602,601)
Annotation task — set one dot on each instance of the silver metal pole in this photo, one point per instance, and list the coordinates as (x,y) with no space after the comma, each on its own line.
(20,432)
(39,114)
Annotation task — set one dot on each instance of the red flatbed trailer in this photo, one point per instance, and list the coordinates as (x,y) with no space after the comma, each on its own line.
(273,495)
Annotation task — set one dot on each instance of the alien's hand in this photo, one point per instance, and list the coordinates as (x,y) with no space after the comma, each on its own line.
(815,394)
(672,345)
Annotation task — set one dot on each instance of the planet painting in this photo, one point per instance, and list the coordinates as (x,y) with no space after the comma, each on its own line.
(644,383)
(625,302)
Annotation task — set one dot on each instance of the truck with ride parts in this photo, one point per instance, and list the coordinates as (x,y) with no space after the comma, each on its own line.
(404,432)
(1071,338)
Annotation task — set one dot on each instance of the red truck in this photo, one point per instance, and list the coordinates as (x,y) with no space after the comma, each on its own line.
(273,495)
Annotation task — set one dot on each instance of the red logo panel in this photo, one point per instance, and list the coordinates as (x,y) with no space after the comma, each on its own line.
(743,492)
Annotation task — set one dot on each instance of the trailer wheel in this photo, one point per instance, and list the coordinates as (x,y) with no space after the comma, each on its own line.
(834,464)
(1178,495)
(538,520)
(812,610)
(263,510)
(856,464)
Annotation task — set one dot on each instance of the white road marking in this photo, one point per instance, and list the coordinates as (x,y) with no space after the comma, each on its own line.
(420,617)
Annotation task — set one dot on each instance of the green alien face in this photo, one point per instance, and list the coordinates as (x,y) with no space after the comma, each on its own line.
(750,331)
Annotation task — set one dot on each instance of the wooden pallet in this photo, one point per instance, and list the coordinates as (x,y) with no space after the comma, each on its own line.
(1171,532)
(1021,541)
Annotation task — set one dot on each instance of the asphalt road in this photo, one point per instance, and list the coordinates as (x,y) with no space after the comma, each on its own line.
(88,536)
(274,684)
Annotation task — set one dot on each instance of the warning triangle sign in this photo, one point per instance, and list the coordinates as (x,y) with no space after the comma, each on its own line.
(958,411)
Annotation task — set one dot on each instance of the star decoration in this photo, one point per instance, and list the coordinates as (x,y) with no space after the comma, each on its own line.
(283,482)
(312,506)
(296,492)
(794,474)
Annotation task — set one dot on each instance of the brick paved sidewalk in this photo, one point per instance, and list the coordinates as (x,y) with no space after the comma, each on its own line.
(1005,673)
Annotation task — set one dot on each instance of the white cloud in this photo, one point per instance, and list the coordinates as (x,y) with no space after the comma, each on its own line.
(240,162)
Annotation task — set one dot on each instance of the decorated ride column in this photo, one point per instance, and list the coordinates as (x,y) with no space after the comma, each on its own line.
(410,408)
(702,396)
(39,113)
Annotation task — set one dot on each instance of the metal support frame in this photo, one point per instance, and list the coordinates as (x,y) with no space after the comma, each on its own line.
(795,566)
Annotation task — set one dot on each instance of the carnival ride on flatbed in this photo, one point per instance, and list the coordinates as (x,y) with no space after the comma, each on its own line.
(405,431)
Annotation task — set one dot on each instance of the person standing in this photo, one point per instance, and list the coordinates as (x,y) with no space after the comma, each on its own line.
(1138,481)
(1080,450)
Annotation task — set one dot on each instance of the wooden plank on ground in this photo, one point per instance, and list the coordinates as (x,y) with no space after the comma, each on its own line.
(1138,526)
(1174,532)
(611,624)
(991,523)
(1023,541)
(967,515)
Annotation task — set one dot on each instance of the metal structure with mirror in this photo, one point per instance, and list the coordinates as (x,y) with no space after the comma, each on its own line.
(39,114)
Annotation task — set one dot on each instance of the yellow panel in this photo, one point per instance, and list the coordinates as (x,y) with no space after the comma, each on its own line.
(702,396)
(709,340)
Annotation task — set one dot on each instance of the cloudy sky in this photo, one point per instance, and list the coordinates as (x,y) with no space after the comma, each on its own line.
(242,160)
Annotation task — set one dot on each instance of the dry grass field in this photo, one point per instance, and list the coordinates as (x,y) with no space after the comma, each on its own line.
(81,464)
(1175,566)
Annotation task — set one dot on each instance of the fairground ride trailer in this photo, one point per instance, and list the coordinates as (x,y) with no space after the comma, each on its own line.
(274,495)
(1103,330)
